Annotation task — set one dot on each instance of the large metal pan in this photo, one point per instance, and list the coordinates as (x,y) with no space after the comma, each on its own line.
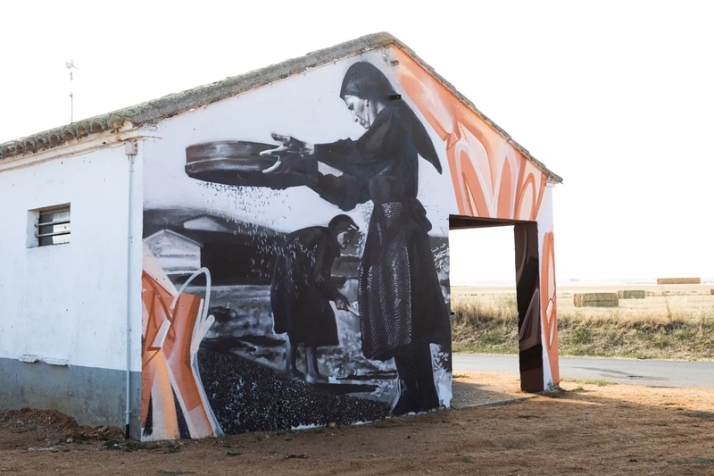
(237,163)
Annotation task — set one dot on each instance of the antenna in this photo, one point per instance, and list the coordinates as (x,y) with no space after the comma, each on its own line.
(70,66)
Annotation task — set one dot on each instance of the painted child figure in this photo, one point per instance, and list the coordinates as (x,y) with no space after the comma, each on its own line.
(302,289)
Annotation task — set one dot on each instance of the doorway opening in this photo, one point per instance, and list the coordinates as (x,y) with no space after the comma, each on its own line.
(494,298)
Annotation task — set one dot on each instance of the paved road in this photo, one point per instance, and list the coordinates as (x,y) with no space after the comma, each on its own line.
(653,373)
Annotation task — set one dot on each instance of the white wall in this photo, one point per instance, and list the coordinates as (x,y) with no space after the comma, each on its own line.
(69,301)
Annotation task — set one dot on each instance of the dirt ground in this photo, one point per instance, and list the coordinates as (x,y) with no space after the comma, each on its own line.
(588,428)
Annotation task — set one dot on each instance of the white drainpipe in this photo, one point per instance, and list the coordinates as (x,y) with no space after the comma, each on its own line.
(131,149)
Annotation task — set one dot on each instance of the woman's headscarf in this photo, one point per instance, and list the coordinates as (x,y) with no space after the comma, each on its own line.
(365,81)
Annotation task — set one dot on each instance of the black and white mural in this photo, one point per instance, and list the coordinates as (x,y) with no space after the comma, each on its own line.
(286,230)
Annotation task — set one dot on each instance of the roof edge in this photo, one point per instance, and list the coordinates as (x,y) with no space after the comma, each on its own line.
(151,112)
(552,176)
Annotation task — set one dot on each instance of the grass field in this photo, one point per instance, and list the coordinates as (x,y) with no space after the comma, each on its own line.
(673,321)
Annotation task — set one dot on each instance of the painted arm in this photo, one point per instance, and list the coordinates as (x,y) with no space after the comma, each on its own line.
(368,155)
(324,258)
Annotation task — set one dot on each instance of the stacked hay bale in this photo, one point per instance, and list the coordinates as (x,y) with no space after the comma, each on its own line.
(631,294)
(679,280)
(596,300)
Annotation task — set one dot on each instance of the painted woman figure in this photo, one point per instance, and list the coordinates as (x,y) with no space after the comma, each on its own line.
(401,305)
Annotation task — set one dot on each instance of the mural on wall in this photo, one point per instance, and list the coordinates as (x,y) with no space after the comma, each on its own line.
(490,178)
(400,300)
(174,323)
(305,281)
(301,291)
(250,327)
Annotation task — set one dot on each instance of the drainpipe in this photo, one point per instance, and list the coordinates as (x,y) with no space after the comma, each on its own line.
(130,149)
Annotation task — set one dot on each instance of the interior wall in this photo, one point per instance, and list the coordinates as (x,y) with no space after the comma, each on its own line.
(528,295)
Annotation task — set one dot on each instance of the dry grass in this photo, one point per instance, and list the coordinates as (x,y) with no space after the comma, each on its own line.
(679,280)
(666,324)
(632,294)
(595,299)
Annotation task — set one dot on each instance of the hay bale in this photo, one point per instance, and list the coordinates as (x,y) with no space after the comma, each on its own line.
(631,294)
(711,291)
(679,280)
(596,300)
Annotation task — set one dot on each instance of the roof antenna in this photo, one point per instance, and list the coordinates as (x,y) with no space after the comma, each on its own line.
(70,66)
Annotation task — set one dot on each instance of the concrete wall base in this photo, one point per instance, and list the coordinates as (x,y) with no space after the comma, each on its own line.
(91,396)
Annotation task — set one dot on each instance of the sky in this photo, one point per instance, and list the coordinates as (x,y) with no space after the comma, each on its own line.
(616,97)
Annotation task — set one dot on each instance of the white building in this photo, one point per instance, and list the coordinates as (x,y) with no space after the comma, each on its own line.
(101,216)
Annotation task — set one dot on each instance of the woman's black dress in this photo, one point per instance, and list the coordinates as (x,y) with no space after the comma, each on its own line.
(400,298)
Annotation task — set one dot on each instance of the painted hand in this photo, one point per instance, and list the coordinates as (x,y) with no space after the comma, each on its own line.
(342,303)
(288,154)
(289,144)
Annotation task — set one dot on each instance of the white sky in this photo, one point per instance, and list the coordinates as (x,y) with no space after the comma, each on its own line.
(614,96)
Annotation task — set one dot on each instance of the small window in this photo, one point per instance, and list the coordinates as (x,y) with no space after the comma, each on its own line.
(52,226)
